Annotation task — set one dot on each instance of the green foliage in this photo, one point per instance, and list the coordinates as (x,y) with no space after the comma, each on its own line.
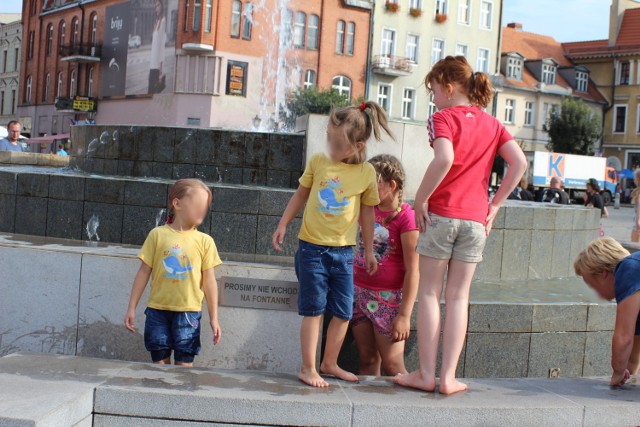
(314,101)
(575,129)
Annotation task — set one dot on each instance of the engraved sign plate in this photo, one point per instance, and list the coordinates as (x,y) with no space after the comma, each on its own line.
(258,293)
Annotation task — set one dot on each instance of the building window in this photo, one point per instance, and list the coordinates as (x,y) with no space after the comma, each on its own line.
(207,16)
(59,85)
(486,14)
(340,38)
(464,12)
(247,17)
(49,39)
(415,4)
(309,79)
(2,103)
(27,94)
(441,6)
(16,58)
(462,50)
(408,104)
(437,50)
(351,33)
(62,33)
(90,86)
(13,102)
(75,28)
(94,29)
(4,61)
(548,74)
(432,106)
(186,16)
(620,119)
(412,48)
(32,36)
(384,97)
(528,113)
(509,110)
(298,29)
(197,15)
(72,84)
(625,73)
(312,32)
(483,60)
(47,85)
(235,18)
(638,122)
(388,42)
(582,81)
(514,69)
(343,85)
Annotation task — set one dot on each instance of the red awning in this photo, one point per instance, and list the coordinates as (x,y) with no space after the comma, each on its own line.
(47,139)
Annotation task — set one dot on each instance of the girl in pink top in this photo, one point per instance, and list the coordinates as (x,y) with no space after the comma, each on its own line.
(453,212)
(383,302)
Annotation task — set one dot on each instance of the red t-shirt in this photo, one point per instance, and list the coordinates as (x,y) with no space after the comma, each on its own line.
(476,137)
(387,247)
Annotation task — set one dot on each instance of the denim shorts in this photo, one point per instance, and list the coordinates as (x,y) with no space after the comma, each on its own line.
(451,238)
(165,331)
(325,274)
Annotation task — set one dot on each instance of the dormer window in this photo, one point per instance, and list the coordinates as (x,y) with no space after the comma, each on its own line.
(548,74)
(514,69)
(582,81)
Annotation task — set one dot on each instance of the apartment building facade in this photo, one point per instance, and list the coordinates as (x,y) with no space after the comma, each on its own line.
(10,48)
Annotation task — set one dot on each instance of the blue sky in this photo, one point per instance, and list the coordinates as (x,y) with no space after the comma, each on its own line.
(566,20)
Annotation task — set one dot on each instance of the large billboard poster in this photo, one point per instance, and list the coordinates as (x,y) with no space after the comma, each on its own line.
(139,48)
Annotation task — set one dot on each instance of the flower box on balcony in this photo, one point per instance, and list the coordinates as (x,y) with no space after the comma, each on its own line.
(415,12)
(391,6)
(441,17)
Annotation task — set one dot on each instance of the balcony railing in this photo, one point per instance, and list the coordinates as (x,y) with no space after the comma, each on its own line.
(392,65)
(81,52)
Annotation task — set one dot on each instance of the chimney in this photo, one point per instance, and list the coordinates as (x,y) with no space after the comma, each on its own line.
(515,25)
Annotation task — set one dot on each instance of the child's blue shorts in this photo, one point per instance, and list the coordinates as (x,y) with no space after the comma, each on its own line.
(165,331)
(325,274)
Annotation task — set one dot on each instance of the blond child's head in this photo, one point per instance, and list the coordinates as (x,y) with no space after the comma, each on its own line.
(596,265)
(189,202)
(391,176)
(350,128)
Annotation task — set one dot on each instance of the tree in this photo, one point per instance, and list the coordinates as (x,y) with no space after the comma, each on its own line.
(575,129)
(313,101)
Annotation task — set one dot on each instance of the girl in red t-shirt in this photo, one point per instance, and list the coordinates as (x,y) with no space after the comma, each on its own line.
(453,212)
(383,302)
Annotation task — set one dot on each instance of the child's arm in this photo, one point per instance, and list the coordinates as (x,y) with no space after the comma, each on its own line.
(210,286)
(368,220)
(511,152)
(402,322)
(623,336)
(139,283)
(436,171)
(296,203)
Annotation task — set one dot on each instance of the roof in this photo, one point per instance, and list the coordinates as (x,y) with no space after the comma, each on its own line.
(628,39)
(536,47)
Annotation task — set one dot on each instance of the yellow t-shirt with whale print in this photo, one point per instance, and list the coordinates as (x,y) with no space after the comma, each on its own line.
(337,189)
(177,260)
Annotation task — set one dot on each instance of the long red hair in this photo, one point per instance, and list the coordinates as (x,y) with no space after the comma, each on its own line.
(456,70)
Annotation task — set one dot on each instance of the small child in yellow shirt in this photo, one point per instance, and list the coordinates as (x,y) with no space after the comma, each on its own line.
(180,261)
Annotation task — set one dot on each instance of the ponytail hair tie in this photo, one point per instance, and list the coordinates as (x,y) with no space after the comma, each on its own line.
(362,106)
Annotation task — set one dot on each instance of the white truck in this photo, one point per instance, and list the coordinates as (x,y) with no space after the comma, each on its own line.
(574,171)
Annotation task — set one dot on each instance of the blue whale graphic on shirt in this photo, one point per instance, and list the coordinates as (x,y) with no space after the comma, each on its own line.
(174,269)
(328,199)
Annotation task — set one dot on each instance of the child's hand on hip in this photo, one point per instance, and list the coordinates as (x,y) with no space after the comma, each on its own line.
(372,263)
(130,320)
(217,332)
(491,215)
(400,328)
(422,216)
(278,237)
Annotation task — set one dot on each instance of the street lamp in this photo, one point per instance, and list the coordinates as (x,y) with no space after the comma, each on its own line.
(256,121)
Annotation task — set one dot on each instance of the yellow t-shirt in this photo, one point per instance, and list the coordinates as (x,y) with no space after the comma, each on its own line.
(337,189)
(177,260)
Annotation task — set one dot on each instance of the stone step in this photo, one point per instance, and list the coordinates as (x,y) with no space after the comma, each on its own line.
(56,390)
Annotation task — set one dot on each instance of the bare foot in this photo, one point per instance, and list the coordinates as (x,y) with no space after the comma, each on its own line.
(453,387)
(415,380)
(338,372)
(312,378)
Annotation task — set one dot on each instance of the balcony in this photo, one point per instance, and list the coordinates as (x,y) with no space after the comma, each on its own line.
(395,66)
(86,53)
